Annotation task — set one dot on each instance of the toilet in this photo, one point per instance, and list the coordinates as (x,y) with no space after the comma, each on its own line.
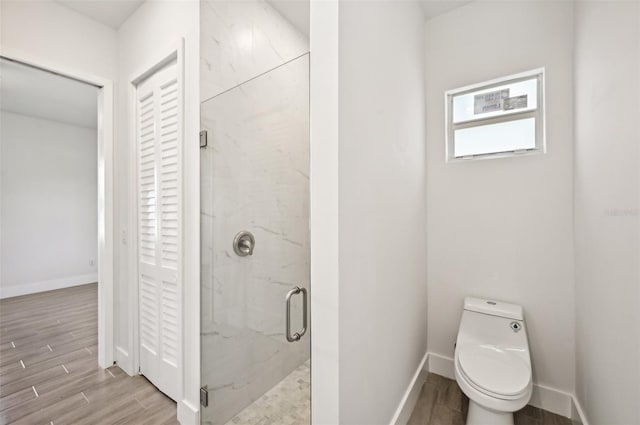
(492,361)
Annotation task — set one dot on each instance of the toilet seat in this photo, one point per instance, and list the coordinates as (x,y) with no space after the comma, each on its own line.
(493,371)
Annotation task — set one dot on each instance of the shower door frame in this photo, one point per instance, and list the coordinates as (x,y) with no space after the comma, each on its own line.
(105,100)
(307,320)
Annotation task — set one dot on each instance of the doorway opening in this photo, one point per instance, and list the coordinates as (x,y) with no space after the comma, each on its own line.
(56,231)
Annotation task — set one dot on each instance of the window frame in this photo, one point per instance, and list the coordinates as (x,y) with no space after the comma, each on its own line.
(538,114)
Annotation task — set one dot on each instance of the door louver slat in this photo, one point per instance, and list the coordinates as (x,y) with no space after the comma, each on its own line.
(159,121)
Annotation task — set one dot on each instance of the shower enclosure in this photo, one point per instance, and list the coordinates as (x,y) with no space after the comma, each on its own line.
(255,250)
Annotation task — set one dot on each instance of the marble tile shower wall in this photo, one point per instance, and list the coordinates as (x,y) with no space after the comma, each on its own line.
(255,176)
(242,39)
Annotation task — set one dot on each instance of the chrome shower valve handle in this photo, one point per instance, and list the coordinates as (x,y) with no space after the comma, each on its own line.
(243,243)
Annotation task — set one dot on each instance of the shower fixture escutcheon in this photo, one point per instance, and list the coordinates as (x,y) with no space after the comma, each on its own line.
(243,243)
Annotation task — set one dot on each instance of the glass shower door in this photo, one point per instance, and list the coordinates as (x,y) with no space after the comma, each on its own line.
(255,250)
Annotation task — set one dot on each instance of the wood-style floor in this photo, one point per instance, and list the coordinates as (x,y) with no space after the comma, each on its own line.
(442,403)
(49,370)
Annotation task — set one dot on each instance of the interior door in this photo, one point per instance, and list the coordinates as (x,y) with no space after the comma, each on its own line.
(255,185)
(159,174)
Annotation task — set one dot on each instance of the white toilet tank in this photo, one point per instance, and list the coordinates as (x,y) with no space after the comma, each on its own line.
(488,322)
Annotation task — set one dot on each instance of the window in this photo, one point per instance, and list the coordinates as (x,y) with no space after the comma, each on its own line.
(503,117)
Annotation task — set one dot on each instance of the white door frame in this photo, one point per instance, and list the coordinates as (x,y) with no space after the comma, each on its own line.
(106,354)
(174,52)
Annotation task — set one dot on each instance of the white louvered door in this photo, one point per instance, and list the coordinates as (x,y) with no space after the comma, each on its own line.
(159,144)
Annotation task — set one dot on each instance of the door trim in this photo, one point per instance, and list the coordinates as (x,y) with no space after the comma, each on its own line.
(174,52)
(105,99)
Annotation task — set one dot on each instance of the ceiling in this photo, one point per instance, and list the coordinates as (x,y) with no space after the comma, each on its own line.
(297,11)
(34,92)
(110,12)
(433,8)
(114,12)
(38,93)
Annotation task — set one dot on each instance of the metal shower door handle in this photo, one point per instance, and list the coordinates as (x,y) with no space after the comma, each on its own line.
(296,336)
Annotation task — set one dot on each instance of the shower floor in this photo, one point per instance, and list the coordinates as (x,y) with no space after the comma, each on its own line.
(287,403)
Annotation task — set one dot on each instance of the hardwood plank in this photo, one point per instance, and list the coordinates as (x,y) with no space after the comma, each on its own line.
(16,399)
(20,373)
(44,416)
(424,405)
(100,401)
(30,380)
(65,334)
(48,342)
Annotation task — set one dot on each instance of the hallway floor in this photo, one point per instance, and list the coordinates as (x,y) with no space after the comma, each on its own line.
(442,403)
(49,370)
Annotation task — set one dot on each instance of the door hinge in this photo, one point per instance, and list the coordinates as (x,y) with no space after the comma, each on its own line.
(203,139)
(204,396)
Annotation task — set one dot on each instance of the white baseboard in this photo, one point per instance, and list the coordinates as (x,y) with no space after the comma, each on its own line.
(441,365)
(188,414)
(124,361)
(46,285)
(552,400)
(408,402)
(543,397)
(577,414)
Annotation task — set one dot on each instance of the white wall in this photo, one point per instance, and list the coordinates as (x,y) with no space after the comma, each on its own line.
(382,241)
(53,33)
(324,139)
(607,204)
(146,37)
(49,205)
(502,228)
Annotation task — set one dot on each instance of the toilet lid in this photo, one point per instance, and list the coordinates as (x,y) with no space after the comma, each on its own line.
(494,370)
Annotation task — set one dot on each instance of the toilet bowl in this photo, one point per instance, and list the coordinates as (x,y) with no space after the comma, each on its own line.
(492,362)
